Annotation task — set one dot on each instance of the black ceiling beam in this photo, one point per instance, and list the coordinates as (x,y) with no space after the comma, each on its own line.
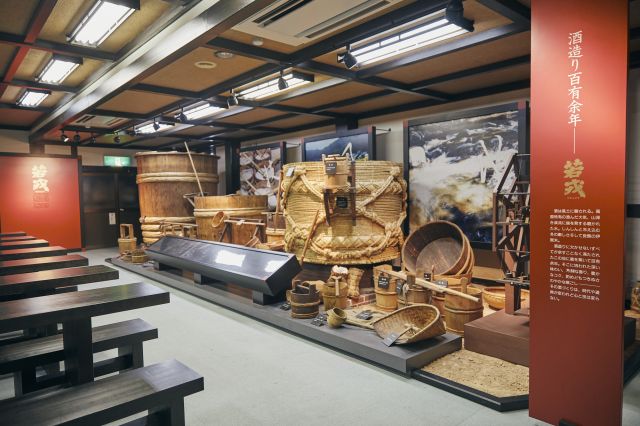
(5,105)
(501,88)
(443,49)
(96,131)
(511,9)
(36,85)
(520,60)
(179,37)
(11,127)
(634,34)
(63,49)
(634,60)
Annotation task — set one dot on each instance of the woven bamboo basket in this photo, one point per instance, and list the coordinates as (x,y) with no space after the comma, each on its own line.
(355,275)
(413,323)
(438,245)
(460,311)
(380,210)
(496,296)
(207,210)
(163,179)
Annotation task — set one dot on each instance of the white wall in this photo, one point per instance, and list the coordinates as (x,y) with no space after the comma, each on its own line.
(632,255)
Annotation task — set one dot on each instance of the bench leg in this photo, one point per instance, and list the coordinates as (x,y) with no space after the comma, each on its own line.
(24,381)
(134,353)
(172,415)
(78,351)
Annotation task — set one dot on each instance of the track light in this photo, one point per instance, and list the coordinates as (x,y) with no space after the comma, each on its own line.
(63,137)
(282,83)
(93,139)
(348,59)
(455,14)
(76,137)
(156,125)
(233,99)
(182,117)
(116,139)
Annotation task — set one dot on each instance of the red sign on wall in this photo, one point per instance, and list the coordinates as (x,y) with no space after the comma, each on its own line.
(578,131)
(40,195)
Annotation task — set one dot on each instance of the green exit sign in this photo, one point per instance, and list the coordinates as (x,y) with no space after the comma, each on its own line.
(113,161)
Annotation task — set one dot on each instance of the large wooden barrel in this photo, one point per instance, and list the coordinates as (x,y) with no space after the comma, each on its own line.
(376,237)
(233,207)
(163,179)
(440,245)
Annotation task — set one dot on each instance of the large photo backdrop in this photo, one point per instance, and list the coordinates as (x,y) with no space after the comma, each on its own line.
(454,163)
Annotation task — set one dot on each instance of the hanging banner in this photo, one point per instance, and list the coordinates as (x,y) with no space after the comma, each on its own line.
(578,132)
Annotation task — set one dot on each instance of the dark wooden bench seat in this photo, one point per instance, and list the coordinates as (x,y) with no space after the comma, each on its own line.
(23,244)
(20,238)
(23,358)
(12,234)
(30,253)
(35,283)
(10,267)
(159,388)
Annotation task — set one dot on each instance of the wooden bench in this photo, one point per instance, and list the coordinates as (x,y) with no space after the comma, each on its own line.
(20,238)
(13,234)
(9,267)
(23,358)
(30,253)
(159,388)
(37,283)
(23,244)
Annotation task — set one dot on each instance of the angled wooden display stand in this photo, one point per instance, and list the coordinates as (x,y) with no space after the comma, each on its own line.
(30,253)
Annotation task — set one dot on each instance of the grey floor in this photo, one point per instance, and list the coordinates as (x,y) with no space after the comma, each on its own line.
(255,374)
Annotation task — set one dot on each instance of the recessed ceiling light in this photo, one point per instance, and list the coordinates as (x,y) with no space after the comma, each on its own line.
(32,97)
(102,20)
(59,68)
(257,41)
(273,86)
(224,55)
(205,65)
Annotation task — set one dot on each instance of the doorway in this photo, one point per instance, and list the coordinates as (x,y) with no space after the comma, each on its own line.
(109,198)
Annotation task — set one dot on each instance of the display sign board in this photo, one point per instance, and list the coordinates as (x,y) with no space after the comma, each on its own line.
(40,195)
(578,130)
(113,161)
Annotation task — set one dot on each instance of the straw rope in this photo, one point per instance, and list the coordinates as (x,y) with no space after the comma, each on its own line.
(232,211)
(175,177)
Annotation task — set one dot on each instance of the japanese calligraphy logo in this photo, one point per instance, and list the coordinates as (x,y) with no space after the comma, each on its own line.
(40,185)
(574,186)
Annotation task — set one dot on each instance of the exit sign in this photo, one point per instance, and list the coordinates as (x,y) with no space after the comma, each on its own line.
(113,161)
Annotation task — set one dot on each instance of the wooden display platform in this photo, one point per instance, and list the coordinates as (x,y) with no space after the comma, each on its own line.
(501,336)
(355,341)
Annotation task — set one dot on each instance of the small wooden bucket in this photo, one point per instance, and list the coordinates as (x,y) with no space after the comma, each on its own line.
(305,300)
(329,297)
(386,296)
(127,241)
(460,311)
(414,296)
(138,256)
(437,300)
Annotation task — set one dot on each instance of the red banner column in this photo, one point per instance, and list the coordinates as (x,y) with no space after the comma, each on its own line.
(578,124)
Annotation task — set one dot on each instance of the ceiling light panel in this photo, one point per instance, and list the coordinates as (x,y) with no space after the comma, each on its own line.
(200,111)
(32,98)
(270,87)
(59,68)
(430,32)
(149,128)
(102,20)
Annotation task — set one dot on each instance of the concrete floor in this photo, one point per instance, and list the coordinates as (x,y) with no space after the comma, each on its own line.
(256,374)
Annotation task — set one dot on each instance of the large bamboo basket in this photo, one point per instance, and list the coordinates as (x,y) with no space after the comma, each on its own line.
(440,245)
(380,210)
(163,179)
(234,207)
(496,296)
(425,321)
